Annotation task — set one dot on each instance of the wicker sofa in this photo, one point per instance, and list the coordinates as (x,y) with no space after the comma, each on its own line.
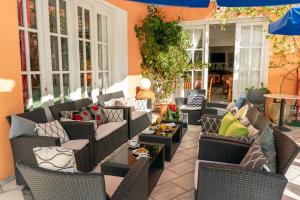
(194,113)
(219,175)
(137,120)
(53,185)
(106,138)
(22,146)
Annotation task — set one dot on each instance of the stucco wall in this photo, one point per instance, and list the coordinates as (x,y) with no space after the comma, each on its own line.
(10,81)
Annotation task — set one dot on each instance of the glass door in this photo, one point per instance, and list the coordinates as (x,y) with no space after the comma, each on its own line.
(250,62)
(59,50)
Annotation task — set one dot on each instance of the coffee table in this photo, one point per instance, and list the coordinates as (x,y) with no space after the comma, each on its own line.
(120,161)
(171,140)
(182,121)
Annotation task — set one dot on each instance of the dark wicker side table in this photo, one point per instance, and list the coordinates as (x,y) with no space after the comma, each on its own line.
(182,121)
(171,140)
(120,161)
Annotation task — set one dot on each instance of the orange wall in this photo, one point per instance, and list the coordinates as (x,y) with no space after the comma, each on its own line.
(10,101)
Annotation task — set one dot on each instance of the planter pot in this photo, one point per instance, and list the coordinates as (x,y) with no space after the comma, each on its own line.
(274,110)
(163,107)
(256,96)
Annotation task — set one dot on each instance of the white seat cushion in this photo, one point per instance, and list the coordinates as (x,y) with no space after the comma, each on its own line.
(196,173)
(137,114)
(105,129)
(184,107)
(75,144)
(111,184)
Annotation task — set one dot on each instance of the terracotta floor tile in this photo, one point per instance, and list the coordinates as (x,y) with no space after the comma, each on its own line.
(187,196)
(182,168)
(166,191)
(186,181)
(166,176)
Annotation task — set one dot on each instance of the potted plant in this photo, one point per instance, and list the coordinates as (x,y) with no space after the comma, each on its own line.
(163,46)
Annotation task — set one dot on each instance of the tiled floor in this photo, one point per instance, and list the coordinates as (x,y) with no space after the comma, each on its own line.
(177,180)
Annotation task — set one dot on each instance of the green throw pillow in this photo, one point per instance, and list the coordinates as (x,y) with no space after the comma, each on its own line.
(267,143)
(236,129)
(227,120)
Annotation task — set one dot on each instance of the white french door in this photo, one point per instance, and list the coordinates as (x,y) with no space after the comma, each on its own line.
(94,46)
(250,67)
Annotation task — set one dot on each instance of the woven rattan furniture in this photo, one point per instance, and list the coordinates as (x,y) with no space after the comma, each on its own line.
(52,185)
(122,160)
(103,147)
(194,114)
(22,146)
(135,125)
(221,177)
(182,122)
(171,140)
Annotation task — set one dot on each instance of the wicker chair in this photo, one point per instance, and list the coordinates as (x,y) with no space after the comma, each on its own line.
(22,146)
(194,115)
(106,145)
(135,124)
(221,177)
(52,185)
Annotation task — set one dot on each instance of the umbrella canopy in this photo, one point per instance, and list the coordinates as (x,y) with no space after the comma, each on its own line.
(289,24)
(224,3)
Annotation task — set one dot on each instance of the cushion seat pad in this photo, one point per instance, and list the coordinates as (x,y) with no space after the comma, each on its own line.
(185,107)
(137,114)
(108,128)
(111,184)
(75,144)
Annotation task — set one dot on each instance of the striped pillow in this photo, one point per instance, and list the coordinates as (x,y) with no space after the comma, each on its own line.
(55,158)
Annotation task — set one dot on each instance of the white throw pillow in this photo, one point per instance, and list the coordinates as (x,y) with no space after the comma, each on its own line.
(53,129)
(140,104)
(114,115)
(242,112)
(55,158)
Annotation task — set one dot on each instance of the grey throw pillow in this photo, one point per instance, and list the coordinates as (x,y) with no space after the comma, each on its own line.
(267,143)
(21,126)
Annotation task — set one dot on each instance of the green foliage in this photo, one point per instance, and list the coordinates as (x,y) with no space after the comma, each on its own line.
(163,50)
(262,87)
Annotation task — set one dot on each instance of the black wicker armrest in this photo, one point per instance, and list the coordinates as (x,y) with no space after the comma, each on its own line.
(217,105)
(221,150)
(180,101)
(135,184)
(79,130)
(229,181)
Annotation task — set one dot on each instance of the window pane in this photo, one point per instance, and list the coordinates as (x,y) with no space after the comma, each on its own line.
(22,50)
(20,12)
(100,57)
(88,55)
(198,56)
(33,51)
(105,80)
(105,58)
(31,14)
(255,61)
(36,90)
(89,83)
(82,85)
(25,92)
(64,54)
(100,81)
(99,28)
(81,55)
(244,58)
(80,32)
(52,16)
(66,85)
(257,35)
(198,38)
(63,17)
(54,53)
(56,88)
(245,36)
(87,23)
(190,32)
(105,34)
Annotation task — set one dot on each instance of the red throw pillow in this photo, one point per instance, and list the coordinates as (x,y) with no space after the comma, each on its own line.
(97,114)
(83,115)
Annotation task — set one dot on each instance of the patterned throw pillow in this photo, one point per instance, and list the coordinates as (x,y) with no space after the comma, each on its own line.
(253,132)
(242,112)
(66,115)
(255,158)
(141,104)
(126,102)
(97,114)
(55,158)
(114,115)
(195,100)
(83,115)
(53,129)
(245,122)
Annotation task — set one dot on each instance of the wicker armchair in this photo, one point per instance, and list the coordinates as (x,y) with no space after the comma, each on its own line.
(22,146)
(101,147)
(53,185)
(194,114)
(137,120)
(221,177)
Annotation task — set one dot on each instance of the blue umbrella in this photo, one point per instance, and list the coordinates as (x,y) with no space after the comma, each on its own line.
(289,24)
(224,3)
